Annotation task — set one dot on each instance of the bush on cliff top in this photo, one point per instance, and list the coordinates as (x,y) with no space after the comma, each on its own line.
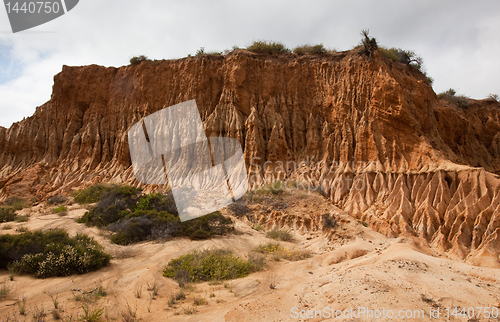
(136,60)
(262,46)
(457,100)
(203,52)
(310,49)
(368,45)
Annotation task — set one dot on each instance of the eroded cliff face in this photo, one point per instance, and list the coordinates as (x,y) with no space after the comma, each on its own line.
(428,168)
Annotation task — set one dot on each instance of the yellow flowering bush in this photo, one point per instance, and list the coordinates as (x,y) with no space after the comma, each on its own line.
(51,253)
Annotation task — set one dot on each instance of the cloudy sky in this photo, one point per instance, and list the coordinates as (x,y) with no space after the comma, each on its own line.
(459,40)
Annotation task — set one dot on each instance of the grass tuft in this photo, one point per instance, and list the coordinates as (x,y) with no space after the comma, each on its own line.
(280,234)
(91,314)
(60,209)
(198,300)
(38,314)
(56,315)
(21,305)
(4,291)
(153,289)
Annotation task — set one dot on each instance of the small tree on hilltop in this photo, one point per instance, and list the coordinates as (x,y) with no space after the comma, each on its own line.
(369,44)
(494,97)
(136,60)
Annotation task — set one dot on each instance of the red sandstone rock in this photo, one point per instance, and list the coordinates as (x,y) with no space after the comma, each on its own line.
(429,167)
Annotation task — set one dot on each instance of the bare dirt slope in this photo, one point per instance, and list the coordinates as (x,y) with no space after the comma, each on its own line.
(351,266)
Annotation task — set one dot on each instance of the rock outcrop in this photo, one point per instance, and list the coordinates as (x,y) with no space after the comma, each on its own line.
(370,135)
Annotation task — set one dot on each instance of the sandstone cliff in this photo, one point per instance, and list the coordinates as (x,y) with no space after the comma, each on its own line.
(423,167)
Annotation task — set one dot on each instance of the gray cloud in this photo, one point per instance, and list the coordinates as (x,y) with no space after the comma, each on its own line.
(458,39)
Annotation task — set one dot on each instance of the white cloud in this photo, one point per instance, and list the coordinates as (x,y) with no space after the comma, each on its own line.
(457,39)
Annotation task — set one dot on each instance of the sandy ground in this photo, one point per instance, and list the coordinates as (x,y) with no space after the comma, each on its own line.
(356,272)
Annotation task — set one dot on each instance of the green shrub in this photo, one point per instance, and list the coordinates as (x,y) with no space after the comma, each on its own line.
(158,202)
(258,227)
(202,52)
(9,208)
(51,253)
(22,229)
(278,252)
(449,92)
(309,49)
(407,57)
(135,218)
(262,46)
(90,195)
(57,200)
(391,53)
(21,218)
(402,56)
(136,60)
(208,265)
(59,209)
(16,203)
(7,214)
(99,192)
(151,224)
(280,234)
(199,301)
(267,248)
(457,100)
